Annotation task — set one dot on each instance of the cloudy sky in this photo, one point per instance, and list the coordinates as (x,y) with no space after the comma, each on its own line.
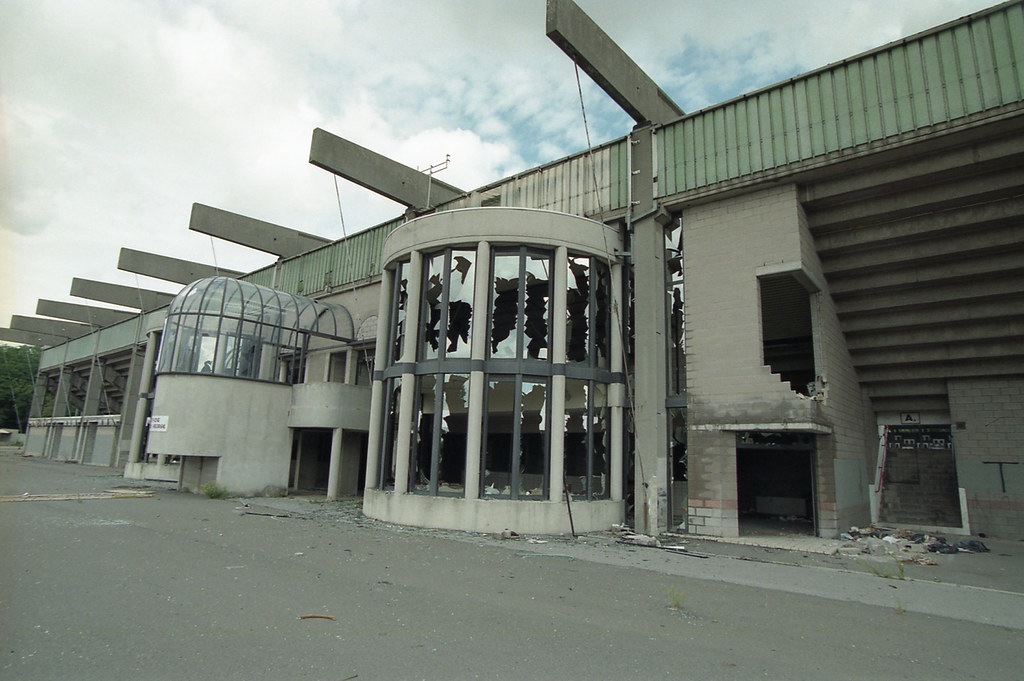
(117,115)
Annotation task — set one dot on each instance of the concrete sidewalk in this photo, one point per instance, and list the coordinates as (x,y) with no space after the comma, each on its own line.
(986,588)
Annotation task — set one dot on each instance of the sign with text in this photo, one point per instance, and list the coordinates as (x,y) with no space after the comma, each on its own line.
(158,423)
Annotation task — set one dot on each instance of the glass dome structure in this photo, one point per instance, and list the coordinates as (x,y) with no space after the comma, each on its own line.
(226,327)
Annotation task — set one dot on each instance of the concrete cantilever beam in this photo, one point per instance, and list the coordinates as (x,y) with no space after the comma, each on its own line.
(86,314)
(585,43)
(169,269)
(29,338)
(252,233)
(50,327)
(379,174)
(116,294)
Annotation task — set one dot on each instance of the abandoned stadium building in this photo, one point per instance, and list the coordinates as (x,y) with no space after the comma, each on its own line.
(803,303)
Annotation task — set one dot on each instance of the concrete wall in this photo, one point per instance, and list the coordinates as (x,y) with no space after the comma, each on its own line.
(491,515)
(988,425)
(329,405)
(244,423)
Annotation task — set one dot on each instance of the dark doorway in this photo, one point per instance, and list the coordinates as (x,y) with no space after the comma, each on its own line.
(311,460)
(775,483)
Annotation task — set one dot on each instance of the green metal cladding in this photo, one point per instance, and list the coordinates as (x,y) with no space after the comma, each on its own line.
(948,76)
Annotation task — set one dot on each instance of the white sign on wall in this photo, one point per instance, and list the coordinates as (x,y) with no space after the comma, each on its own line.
(158,423)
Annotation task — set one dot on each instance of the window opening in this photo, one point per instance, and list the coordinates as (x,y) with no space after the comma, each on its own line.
(675,314)
(439,452)
(786,331)
(515,456)
(586,442)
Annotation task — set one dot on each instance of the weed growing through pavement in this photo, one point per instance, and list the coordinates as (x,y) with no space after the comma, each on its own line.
(675,598)
(214,491)
(887,574)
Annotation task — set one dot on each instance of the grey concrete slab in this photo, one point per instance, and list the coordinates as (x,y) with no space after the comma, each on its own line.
(86,314)
(607,64)
(378,173)
(252,233)
(117,294)
(169,269)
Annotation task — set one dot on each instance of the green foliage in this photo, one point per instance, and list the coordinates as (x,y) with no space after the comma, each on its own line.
(18,366)
(214,491)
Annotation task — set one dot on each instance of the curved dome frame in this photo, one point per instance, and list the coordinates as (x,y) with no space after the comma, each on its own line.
(226,327)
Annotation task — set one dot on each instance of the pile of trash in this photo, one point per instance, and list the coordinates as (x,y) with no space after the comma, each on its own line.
(909,543)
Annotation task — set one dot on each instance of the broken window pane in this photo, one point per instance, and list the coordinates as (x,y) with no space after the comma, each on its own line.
(392,400)
(399,302)
(533,450)
(675,312)
(438,463)
(577,310)
(538,294)
(602,313)
(499,430)
(433,271)
(587,462)
(504,306)
(460,303)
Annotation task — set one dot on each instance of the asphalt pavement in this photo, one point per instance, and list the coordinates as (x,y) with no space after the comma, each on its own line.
(103,577)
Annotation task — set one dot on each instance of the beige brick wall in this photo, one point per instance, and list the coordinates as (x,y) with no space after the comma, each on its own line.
(988,419)
(725,243)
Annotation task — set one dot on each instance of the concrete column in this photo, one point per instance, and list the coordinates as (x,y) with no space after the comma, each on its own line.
(557,425)
(334,472)
(351,364)
(403,445)
(477,379)
(377,386)
(616,395)
(93,389)
(651,470)
(142,405)
(39,391)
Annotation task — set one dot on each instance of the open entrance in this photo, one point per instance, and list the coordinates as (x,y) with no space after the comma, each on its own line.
(311,460)
(775,483)
(919,483)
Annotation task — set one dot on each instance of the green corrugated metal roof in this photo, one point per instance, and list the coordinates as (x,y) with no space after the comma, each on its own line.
(946,76)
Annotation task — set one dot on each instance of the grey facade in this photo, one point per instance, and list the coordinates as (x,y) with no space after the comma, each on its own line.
(815,312)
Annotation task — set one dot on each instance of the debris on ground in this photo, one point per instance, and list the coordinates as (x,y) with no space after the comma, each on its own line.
(907,546)
(317,617)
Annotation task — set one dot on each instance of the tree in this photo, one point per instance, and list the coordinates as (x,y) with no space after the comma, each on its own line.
(18,366)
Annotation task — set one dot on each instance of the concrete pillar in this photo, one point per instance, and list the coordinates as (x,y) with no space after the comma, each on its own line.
(477,380)
(377,385)
(334,472)
(557,424)
(39,391)
(617,392)
(648,247)
(142,404)
(403,445)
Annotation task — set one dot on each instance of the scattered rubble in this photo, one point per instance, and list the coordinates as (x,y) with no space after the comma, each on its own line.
(907,546)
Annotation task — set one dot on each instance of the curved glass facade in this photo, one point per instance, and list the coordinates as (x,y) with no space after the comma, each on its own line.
(225,327)
(500,373)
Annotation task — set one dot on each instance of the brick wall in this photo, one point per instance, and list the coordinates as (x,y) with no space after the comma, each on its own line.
(988,440)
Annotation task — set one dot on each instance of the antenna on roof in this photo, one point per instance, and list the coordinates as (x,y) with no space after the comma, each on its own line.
(436,168)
